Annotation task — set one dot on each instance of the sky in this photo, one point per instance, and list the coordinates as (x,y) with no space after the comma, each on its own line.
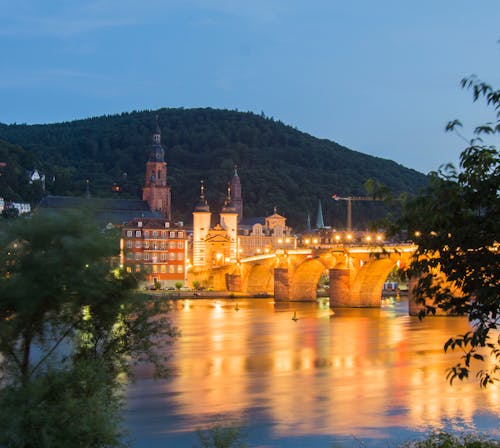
(380,77)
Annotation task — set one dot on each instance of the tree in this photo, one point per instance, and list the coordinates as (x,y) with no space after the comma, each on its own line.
(69,326)
(455,224)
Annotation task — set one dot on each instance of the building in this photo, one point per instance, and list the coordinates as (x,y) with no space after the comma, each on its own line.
(233,238)
(156,191)
(156,249)
(21,207)
(235,194)
(265,235)
(156,202)
(214,246)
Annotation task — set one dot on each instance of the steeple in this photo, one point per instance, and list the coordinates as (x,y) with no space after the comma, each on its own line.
(319,218)
(235,194)
(157,133)
(228,203)
(202,205)
(156,191)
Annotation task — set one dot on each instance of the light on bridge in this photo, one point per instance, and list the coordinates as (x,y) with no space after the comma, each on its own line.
(349,236)
(368,238)
(337,238)
(315,241)
(307,241)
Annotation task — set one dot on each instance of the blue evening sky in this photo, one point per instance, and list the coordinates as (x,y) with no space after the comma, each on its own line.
(378,76)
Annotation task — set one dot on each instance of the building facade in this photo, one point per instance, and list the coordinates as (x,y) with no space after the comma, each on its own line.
(156,190)
(156,249)
(231,239)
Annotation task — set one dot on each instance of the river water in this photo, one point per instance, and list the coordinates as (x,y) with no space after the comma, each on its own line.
(353,378)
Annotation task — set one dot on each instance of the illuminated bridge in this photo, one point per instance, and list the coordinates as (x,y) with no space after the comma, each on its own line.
(356,272)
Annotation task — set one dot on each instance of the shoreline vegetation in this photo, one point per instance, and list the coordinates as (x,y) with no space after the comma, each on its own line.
(193,294)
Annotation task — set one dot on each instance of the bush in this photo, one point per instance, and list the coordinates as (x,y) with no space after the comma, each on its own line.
(446,440)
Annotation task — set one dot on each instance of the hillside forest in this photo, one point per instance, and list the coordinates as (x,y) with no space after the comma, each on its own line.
(279,166)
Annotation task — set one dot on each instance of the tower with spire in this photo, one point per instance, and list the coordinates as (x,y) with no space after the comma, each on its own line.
(156,191)
(236,200)
(319,217)
(229,222)
(201,227)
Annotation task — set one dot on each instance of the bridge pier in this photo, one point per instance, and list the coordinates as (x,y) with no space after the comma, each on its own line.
(340,288)
(234,282)
(281,285)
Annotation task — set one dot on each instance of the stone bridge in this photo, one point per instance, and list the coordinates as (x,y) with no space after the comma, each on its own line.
(357,273)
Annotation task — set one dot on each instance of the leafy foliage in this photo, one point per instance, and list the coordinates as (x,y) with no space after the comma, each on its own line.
(69,327)
(457,260)
(446,440)
(279,166)
(222,435)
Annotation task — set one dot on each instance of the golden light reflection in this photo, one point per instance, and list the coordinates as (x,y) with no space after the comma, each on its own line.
(340,374)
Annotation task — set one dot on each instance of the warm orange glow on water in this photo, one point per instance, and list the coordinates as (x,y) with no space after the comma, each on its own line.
(372,373)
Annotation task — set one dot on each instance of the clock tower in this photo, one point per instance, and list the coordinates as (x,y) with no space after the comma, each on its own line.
(156,191)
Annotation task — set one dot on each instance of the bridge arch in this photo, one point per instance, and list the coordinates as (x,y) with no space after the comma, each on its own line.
(305,279)
(260,279)
(367,285)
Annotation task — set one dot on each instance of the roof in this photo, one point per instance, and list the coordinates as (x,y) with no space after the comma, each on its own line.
(152,223)
(106,210)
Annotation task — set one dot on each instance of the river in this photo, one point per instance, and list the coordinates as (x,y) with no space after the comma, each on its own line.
(352,378)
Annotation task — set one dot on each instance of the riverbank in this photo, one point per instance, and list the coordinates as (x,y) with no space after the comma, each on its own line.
(204,294)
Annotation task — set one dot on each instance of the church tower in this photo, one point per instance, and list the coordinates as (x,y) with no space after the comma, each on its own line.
(156,191)
(236,199)
(201,227)
(229,222)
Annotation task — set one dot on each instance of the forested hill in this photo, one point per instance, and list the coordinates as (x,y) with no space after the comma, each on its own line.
(278,165)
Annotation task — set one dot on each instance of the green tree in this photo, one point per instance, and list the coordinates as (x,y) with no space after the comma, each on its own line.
(455,223)
(69,327)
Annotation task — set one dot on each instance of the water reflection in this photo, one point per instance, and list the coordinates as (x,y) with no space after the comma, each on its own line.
(376,374)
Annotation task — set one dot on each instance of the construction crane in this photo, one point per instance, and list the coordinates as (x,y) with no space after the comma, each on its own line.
(349,200)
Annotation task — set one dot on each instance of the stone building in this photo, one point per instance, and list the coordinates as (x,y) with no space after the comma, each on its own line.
(156,249)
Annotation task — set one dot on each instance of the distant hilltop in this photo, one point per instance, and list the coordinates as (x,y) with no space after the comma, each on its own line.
(278,165)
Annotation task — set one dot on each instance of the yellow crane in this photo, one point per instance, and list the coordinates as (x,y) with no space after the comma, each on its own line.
(349,200)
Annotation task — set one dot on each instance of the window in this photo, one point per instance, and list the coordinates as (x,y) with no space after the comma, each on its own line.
(146,244)
(171,269)
(171,256)
(137,268)
(155,234)
(138,233)
(146,234)
(130,233)
(179,234)
(180,244)
(163,257)
(155,268)
(180,256)
(163,268)
(129,269)
(129,244)
(171,244)
(137,256)
(129,255)
(172,235)
(138,244)
(180,268)
(146,257)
